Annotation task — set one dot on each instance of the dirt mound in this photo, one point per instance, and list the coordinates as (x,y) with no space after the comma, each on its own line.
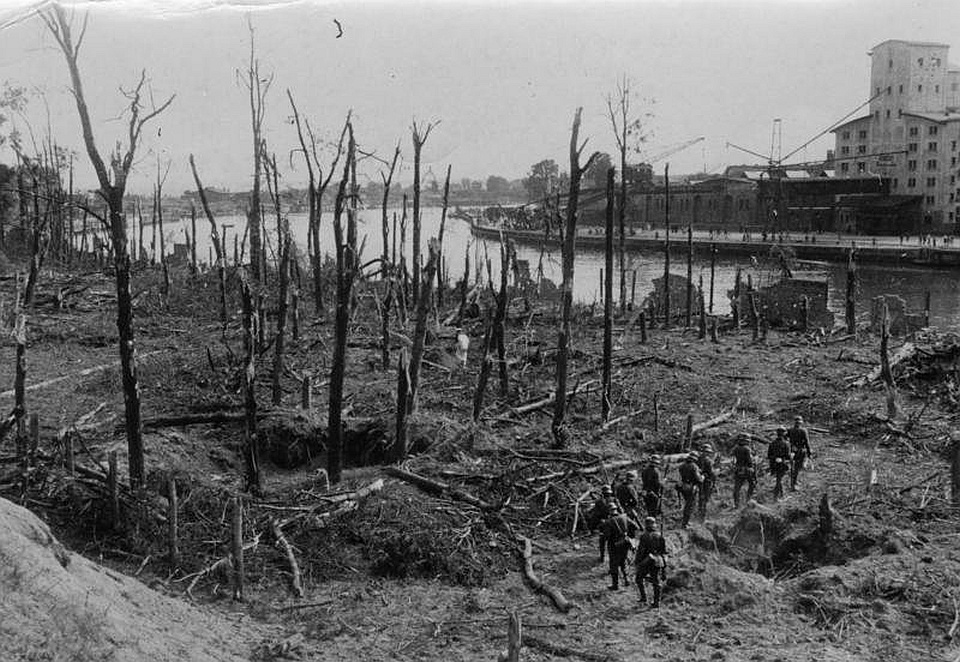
(60,606)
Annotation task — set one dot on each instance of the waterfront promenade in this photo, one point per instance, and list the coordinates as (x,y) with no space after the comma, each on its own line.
(825,247)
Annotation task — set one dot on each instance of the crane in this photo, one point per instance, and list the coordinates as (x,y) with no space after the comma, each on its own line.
(673,150)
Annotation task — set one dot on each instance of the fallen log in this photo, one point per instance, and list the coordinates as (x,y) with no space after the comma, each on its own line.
(556,650)
(208,418)
(438,488)
(586,471)
(295,581)
(586,387)
(224,565)
(716,420)
(905,351)
(556,597)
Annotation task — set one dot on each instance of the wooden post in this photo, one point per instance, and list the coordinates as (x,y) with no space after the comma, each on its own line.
(754,315)
(514,637)
(926,309)
(68,452)
(804,313)
(305,393)
(713,269)
(237,548)
(826,516)
(605,398)
(193,238)
(633,289)
(114,490)
(688,320)
(702,312)
(688,433)
(172,543)
(737,286)
(886,374)
(851,298)
(643,327)
(656,412)
(713,330)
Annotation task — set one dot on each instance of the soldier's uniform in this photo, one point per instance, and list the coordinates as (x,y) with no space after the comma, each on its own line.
(744,471)
(800,446)
(617,531)
(602,509)
(689,486)
(705,464)
(652,487)
(651,559)
(626,494)
(778,457)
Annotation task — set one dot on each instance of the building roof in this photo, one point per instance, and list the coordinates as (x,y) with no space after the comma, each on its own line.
(909,43)
(940,118)
(848,122)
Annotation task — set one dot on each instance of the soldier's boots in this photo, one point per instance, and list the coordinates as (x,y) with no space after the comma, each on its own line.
(656,596)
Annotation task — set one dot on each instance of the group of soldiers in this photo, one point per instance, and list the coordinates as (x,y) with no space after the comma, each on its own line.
(617,511)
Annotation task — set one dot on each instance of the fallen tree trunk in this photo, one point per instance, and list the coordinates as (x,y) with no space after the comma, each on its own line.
(438,488)
(716,420)
(295,581)
(556,597)
(905,351)
(586,387)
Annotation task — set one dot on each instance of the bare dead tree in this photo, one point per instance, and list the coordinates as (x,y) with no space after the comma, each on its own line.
(508,256)
(346,250)
(284,247)
(558,427)
(158,197)
(605,399)
(420,134)
(443,223)
(217,244)
(316,187)
(112,190)
(251,455)
(385,263)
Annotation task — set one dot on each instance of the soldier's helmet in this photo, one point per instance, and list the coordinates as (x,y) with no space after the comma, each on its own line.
(614,508)
(606,490)
(742,438)
(650,523)
(798,419)
(705,447)
(781,431)
(632,474)
(693,456)
(654,460)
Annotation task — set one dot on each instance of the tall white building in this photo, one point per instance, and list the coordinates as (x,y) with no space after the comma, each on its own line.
(912,132)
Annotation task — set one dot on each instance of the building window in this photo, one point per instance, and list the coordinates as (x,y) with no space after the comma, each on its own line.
(876,114)
(911,182)
(844,167)
(914,130)
(888,113)
(901,89)
(889,90)
(932,130)
(953,145)
(919,88)
(912,147)
(931,182)
(861,167)
(931,200)
(936,89)
(919,61)
(912,164)
(936,61)
(845,150)
(895,182)
(862,134)
(932,147)
(845,135)
(861,149)
(931,164)
(953,160)
(878,92)
(900,112)
(890,63)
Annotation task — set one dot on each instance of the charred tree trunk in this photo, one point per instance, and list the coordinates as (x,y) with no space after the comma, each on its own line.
(217,245)
(485,368)
(346,272)
(420,135)
(558,426)
(420,332)
(666,248)
(386,265)
(403,396)
(443,223)
(605,398)
(713,270)
(507,257)
(688,320)
(281,317)
(251,455)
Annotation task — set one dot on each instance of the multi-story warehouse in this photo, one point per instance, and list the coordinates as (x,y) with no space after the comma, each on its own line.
(912,134)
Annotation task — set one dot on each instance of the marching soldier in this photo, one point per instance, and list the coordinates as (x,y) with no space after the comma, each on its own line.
(626,494)
(689,485)
(651,560)
(800,446)
(744,470)
(778,457)
(705,463)
(617,531)
(652,487)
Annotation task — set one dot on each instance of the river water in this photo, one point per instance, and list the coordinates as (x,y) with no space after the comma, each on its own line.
(908,282)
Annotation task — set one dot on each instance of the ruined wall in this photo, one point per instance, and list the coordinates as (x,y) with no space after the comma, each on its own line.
(900,321)
(780,303)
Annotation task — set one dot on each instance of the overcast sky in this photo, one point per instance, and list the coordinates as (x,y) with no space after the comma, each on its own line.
(503,78)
